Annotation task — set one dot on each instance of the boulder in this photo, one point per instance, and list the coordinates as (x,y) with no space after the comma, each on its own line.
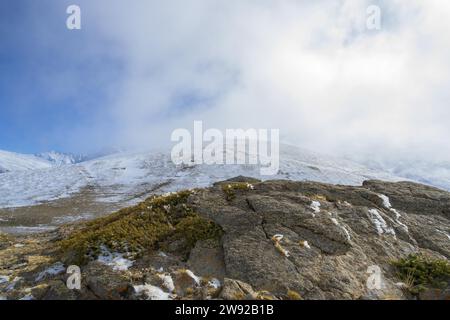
(185,282)
(237,290)
(105,283)
(206,259)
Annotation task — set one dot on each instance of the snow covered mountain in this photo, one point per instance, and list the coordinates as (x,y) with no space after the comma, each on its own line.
(435,173)
(127,177)
(59,159)
(37,194)
(10,161)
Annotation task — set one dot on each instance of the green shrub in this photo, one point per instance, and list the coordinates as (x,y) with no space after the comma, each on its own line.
(230,189)
(293,295)
(195,228)
(3,237)
(138,229)
(419,272)
(5,240)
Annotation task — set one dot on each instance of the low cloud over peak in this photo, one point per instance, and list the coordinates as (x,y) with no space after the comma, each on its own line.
(311,69)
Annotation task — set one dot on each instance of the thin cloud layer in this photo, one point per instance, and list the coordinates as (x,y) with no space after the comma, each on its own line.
(311,69)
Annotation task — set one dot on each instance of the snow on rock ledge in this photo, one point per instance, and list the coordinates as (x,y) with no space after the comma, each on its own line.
(380,223)
(151,292)
(115,260)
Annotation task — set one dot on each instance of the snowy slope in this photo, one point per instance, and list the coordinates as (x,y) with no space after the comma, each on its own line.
(59,159)
(28,187)
(432,173)
(10,161)
(125,177)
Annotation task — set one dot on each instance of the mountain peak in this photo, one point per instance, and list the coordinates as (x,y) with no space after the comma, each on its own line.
(59,158)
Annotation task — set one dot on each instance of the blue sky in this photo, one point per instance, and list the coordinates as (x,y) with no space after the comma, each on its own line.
(52,80)
(138,70)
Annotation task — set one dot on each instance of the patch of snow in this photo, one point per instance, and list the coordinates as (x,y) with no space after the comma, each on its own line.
(53,270)
(386,201)
(167,282)
(70,218)
(345,203)
(347,234)
(401,285)
(404,226)
(315,206)
(27,230)
(305,244)
(387,204)
(115,260)
(4,279)
(285,252)
(152,292)
(193,276)
(397,214)
(19,245)
(214,283)
(344,229)
(444,233)
(380,223)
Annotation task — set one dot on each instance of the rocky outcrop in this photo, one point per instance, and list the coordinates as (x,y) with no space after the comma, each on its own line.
(279,240)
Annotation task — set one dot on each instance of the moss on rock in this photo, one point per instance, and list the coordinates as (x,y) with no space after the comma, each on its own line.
(5,241)
(293,295)
(231,188)
(195,228)
(140,228)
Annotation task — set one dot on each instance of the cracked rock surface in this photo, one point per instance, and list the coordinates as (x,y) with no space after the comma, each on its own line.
(343,237)
(316,240)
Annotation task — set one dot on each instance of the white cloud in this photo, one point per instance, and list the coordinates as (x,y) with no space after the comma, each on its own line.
(308,68)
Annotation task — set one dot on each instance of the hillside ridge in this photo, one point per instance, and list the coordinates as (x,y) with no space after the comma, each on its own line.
(247,239)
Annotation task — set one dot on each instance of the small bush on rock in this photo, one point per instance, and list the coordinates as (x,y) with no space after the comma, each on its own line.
(231,188)
(419,272)
(140,228)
